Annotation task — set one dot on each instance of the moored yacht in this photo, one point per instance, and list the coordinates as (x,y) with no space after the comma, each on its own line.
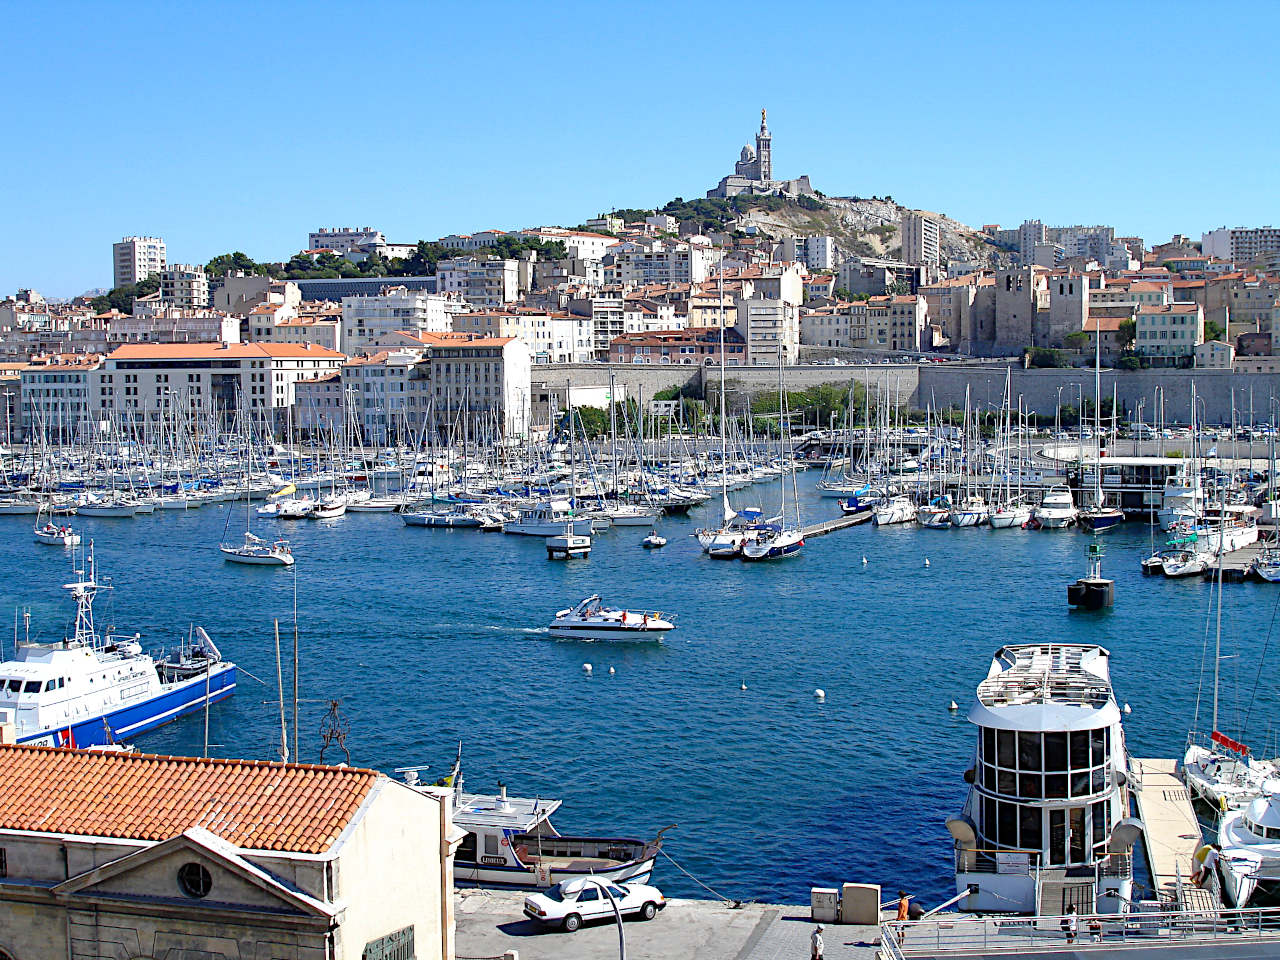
(548,518)
(899,509)
(1045,823)
(591,620)
(1250,856)
(1056,510)
(256,551)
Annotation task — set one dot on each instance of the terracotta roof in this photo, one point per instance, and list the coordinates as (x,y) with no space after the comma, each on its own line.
(1106,324)
(455,339)
(256,806)
(218,351)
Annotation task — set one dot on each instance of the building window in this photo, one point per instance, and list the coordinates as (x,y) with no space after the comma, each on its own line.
(194,880)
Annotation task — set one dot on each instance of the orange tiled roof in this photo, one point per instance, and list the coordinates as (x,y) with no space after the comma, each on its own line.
(256,806)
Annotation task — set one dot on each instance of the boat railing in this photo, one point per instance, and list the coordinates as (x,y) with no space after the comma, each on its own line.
(1001,860)
(952,934)
(1117,865)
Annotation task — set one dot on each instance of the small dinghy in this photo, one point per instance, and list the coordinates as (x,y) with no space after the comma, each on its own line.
(654,540)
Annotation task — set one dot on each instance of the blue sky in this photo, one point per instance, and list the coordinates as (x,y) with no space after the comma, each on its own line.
(243,126)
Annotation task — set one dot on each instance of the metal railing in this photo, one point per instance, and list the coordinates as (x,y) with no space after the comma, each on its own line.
(995,935)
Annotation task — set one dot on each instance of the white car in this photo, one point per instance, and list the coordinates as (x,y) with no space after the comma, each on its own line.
(574,901)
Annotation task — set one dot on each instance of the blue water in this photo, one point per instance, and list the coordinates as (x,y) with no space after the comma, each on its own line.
(429,637)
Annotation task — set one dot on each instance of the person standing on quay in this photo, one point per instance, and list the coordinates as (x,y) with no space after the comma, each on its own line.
(815,944)
(904,914)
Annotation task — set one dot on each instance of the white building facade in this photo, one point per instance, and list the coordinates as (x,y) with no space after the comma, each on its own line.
(136,258)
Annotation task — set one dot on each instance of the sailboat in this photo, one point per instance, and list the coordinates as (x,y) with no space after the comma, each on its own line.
(54,534)
(563,546)
(253,549)
(774,540)
(1098,517)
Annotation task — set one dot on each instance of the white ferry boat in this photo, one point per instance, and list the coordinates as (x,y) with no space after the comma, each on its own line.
(510,842)
(1045,825)
(91,690)
(592,620)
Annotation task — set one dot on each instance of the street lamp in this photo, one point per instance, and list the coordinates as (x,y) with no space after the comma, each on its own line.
(617,912)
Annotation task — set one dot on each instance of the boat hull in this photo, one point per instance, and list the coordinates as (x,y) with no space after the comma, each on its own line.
(258,560)
(179,699)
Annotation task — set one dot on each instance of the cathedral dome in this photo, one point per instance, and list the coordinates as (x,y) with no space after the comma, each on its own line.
(747,154)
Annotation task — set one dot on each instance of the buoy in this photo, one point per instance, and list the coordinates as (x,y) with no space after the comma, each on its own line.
(743,685)
(953,706)
(586,667)
(1126,709)
(926,561)
(864,561)
(820,694)
(611,670)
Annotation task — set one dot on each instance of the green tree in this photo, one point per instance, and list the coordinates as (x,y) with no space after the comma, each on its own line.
(1077,340)
(1045,357)
(1128,333)
(121,298)
(1213,330)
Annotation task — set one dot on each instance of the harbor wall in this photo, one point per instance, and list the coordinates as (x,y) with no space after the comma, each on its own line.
(945,384)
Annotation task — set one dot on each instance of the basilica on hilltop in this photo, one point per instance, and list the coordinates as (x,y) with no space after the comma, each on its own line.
(753,173)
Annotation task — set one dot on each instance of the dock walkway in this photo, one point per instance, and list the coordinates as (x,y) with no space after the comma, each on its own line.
(1237,565)
(1172,833)
(839,523)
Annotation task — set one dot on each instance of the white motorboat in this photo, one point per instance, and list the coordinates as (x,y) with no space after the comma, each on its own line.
(179,501)
(374,505)
(591,620)
(654,540)
(1267,566)
(548,519)
(452,518)
(18,506)
(1057,509)
(899,509)
(255,550)
(1048,801)
(117,507)
(1250,856)
(56,535)
(632,515)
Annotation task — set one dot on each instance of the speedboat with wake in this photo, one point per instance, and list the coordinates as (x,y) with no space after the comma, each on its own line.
(592,620)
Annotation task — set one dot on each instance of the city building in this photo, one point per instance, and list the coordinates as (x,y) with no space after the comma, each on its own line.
(816,253)
(1243,246)
(1111,347)
(484,284)
(876,276)
(606,223)
(136,258)
(1215,355)
(1029,234)
(551,337)
(753,173)
(921,239)
(130,855)
(342,240)
(367,318)
(577,243)
(184,285)
(169,324)
(687,347)
(57,396)
(770,328)
(641,262)
(1168,334)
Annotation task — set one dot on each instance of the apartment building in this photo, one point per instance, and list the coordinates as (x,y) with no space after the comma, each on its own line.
(816,253)
(1243,246)
(770,328)
(484,284)
(342,239)
(898,323)
(577,243)
(365,319)
(184,285)
(606,311)
(663,261)
(1168,334)
(921,240)
(687,347)
(551,337)
(136,258)
(57,396)
(170,324)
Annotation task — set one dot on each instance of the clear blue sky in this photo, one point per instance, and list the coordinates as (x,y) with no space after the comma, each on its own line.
(243,126)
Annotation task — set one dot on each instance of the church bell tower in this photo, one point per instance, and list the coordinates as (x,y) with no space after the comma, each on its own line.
(764,149)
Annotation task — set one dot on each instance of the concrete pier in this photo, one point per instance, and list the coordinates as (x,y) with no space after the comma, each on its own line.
(1172,833)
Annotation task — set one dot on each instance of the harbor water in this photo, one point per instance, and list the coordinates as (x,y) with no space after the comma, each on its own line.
(428,637)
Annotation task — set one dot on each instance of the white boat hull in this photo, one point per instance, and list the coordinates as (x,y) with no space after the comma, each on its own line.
(257,559)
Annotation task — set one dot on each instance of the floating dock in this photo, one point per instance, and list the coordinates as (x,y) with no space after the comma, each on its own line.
(1237,565)
(839,523)
(1171,833)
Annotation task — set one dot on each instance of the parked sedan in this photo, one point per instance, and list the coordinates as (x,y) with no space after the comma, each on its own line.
(574,901)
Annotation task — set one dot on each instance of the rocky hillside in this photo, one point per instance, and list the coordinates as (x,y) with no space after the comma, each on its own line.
(868,227)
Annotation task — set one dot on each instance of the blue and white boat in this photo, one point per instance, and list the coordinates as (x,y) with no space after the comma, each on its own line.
(91,690)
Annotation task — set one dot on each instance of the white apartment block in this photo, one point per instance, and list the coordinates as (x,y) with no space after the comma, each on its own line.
(1168,334)
(1243,246)
(549,337)
(1030,233)
(577,243)
(769,327)
(342,239)
(663,221)
(145,380)
(659,261)
(136,258)
(366,319)
(816,253)
(470,241)
(881,323)
(175,325)
(184,285)
(485,284)
(921,239)
(58,394)
(606,312)
(606,222)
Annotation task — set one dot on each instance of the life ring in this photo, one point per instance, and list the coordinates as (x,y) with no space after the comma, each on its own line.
(505,842)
